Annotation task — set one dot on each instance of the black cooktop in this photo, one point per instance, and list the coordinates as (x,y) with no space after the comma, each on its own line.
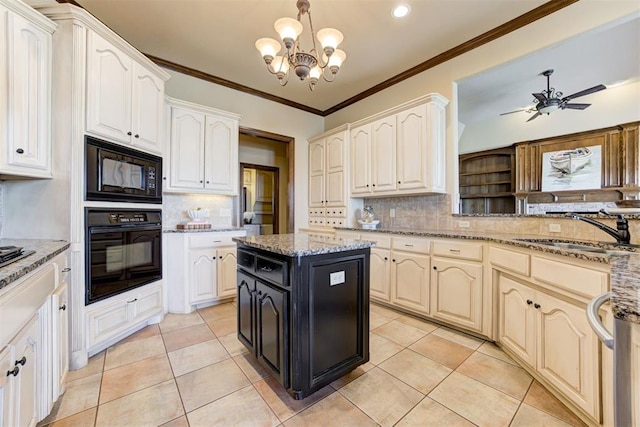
(9,254)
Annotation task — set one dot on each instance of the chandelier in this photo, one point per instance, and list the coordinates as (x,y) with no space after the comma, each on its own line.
(307,65)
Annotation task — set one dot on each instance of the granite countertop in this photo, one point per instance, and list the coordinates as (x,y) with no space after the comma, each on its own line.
(204,230)
(297,245)
(624,261)
(44,251)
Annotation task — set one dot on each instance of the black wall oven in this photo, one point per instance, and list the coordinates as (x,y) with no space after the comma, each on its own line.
(114,173)
(123,250)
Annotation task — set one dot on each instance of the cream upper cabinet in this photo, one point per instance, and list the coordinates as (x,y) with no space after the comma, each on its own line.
(410,281)
(203,150)
(361,160)
(316,174)
(383,148)
(401,151)
(124,100)
(25,82)
(335,181)
(456,292)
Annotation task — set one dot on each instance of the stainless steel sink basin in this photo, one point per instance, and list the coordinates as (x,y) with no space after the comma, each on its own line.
(587,248)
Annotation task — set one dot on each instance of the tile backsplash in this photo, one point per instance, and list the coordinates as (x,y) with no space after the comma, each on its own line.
(175,208)
(419,212)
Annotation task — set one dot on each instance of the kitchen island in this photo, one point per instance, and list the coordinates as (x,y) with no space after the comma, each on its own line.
(303,307)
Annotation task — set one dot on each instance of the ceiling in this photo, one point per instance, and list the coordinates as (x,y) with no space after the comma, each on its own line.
(217,37)
(607,55)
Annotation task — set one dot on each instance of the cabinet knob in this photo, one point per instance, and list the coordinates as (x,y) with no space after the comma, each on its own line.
(22,361)
(385,258)
(164,178)
(201,181)
(66,270)
(529,302)
(399,182)
(220,256)
(20,151)
(394,260)
(435,268)
(63,307)
(367,185)
(136,135)
(207,182)
(129,133)
(536,305)
(15,371)
(374,185)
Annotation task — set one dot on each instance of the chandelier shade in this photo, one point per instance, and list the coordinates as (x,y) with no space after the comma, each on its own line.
(308,65)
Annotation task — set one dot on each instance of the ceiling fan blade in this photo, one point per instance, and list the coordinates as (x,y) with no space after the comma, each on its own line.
(534,116)
(514,111)
(540,96)
(585,92)
(576,106)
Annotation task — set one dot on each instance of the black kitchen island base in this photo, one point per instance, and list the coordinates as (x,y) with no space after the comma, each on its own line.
(305,317)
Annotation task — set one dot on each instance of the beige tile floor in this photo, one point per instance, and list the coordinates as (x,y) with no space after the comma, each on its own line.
(190,370)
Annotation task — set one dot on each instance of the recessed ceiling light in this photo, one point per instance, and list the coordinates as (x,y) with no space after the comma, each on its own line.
(400,11)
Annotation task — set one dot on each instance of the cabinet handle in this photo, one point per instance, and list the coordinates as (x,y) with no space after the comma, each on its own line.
(408,245)
(455,251)
(136,135)
(20,151)
(15,371)
(63,307)
(266,269)
(133,300)
(129,133)
(22,361)
(66,270)
(529,302)
(536,305)
(217,241)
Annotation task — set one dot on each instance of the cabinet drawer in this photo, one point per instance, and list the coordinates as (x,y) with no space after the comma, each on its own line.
(272,270)
(409,244)
(470,251)
(510,260)
(316,212)
(147,304)
(336,212)
(334,222)
(246,260)
(209,240)
(582,281)
(382,241)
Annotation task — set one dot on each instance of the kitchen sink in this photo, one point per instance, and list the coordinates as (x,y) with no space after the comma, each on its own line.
(612,249)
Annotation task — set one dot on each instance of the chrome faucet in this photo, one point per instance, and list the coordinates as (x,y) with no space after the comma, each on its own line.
(621,233)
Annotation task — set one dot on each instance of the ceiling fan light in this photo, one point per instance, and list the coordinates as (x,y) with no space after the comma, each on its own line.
(268,48)
(288,29)
(400,11)
(548,109)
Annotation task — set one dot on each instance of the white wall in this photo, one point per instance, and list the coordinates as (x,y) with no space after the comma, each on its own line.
(258,113)
(609,107)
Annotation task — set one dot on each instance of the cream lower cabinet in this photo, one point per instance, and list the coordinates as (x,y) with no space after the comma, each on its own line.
(635,373)
(379,274)
(201,268)
(60,339)
(410,276)
(553,337)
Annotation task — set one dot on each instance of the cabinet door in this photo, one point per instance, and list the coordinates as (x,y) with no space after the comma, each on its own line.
(147,109)
(410,281)
(361,160)
(456,292)
(568,352)
(187,149)
(221,155)
(25,384)
(108,90)
(246,311)
(60,328)
(412,148)
(316,174)
(272,330)
(28,144)
(227,264)
(335,184)
(379,271)
(516,323)
(383,143)
(6,383)
(202,274)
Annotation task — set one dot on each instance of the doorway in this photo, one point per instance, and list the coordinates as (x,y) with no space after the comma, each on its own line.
(267,157)
(259,197)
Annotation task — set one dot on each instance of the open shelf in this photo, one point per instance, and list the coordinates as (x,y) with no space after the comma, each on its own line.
(487,181)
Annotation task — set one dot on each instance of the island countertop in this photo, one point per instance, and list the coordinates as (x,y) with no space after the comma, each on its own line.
(297,245)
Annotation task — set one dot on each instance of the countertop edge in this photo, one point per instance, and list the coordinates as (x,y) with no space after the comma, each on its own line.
(32,262)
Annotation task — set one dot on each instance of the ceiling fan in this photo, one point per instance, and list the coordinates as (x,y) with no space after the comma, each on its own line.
(551,100)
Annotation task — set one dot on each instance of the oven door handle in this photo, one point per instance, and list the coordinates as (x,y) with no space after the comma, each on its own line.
(132,227)
(594,320)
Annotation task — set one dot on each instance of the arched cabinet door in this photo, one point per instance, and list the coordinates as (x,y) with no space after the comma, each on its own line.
(272,330)
(410,281)
(203,272)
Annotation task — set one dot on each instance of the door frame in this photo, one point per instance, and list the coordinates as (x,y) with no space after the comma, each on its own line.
(275,192)
(290,146)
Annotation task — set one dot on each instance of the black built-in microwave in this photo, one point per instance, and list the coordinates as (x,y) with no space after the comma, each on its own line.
(114,173)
